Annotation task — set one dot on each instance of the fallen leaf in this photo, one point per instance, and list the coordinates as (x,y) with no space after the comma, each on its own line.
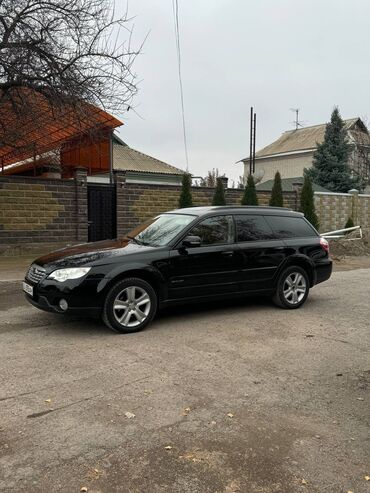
(47,400)
(304,481)
(191,457)
(232,487)
(129,415)
(367,478)
(230,415)
(168,447)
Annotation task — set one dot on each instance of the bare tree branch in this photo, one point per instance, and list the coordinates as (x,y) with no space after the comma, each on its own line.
(67,52)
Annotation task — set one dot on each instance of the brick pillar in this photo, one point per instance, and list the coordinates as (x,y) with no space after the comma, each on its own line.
(297,187)
(81,204)
(355,208)
(224,180)
(120,181)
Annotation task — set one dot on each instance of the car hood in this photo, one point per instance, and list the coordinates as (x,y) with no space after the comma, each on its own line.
(84,253)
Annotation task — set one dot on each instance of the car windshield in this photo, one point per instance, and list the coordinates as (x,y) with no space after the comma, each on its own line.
(160,230)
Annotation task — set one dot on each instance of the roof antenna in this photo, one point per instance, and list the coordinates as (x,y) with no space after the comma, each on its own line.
(296,122)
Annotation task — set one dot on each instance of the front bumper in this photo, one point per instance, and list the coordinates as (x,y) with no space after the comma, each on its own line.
(82,296)
(43,304)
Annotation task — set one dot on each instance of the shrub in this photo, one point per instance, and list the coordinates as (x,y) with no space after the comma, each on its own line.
(349,223)
(250,194)
(185,199)
(219,195)
(308,203)
(276,199)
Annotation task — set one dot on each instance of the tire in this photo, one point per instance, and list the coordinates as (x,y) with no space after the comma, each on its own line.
(130,305)
(292,297)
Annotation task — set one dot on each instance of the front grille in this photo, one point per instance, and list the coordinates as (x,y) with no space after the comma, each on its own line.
(35,273)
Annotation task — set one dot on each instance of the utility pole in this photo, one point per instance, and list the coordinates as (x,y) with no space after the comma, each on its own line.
(252,142)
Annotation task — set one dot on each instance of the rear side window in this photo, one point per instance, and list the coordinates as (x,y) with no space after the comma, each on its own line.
(252,228)
(290,227)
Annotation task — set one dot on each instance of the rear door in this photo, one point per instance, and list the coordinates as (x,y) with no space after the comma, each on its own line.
(261,252)
(210,269)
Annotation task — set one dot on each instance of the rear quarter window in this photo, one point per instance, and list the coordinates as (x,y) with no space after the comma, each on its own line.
(290,227)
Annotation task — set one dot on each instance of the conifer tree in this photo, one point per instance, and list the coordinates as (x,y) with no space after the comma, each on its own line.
(185,199)
(250,194)
(219,195)
(276,199)
(330,161)
(308,203)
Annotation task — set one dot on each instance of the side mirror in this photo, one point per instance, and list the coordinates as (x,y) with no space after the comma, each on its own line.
(191,242)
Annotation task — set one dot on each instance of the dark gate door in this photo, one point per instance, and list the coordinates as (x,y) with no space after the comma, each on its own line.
(101,203)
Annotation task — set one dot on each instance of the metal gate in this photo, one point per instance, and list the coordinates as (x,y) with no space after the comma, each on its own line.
(101,205)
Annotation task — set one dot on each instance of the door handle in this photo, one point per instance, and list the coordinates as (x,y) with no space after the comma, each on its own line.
(227,253)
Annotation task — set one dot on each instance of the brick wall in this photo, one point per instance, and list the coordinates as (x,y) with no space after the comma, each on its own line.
(45,213)
(36,210)
(334,209)
(138,202)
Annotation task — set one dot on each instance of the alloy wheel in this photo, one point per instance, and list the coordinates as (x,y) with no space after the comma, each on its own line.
(131,306)
(294,288)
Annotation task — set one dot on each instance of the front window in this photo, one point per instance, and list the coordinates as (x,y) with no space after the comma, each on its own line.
(215,230)
(160,230)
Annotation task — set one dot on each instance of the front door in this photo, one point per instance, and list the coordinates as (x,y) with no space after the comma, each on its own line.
(210,269)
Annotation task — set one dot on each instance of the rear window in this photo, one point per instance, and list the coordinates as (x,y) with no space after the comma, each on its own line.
(290,227)
(252,228)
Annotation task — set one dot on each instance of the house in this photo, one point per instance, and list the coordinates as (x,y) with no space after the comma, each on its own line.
(60,145)
(293,151)
(139,167)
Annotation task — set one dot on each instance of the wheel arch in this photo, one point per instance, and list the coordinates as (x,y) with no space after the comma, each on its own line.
(151,276)
(299,261)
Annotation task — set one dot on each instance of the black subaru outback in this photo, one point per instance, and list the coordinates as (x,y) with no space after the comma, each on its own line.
(186,255)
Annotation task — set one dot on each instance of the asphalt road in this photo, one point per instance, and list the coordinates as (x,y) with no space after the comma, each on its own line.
(235,397)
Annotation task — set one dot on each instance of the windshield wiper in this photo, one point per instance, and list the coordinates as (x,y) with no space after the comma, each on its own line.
(138,242)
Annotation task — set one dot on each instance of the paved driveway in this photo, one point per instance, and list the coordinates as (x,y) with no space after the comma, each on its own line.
(243,397)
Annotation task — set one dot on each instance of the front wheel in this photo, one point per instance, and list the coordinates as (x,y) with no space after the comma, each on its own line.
(130,305)
(292,288)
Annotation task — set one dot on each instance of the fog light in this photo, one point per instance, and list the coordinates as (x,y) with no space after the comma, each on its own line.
(63,304)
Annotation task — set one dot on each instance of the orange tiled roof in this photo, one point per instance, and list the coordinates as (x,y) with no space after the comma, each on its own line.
(44,127)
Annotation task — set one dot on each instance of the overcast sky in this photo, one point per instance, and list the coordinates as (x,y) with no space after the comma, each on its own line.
(270,54)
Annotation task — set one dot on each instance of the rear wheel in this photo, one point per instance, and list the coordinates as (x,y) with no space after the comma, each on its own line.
(130,305)
(292,288)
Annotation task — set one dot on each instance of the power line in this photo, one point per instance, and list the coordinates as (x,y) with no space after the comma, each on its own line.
(175,9)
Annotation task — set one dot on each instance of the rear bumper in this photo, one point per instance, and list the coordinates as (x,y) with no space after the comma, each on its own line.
(323,271)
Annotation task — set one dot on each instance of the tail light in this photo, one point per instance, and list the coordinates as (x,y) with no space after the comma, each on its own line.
(324,244)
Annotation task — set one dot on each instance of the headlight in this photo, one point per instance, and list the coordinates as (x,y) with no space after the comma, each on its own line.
(62,275)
